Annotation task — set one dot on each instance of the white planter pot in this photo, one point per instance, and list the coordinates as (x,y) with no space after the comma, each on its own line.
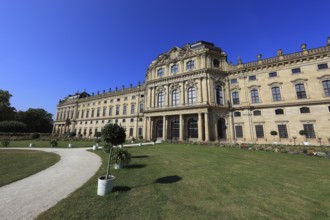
(30,145)
(104,186)
(118,166)
(95,147)
(70,145)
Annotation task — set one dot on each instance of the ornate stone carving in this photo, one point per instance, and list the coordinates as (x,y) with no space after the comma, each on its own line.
(191,83)
(175,86)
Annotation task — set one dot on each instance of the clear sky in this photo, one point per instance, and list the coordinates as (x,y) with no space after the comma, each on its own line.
(52,48)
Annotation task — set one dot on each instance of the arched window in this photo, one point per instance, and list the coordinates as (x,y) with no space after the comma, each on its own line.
(300,90)
(326,87)
(190,65)
(191,95)
(175,128)
(254,96)
(160,72)
(304,110)
(235,97)
(175,97)
(192,128)
(216,63)
(161,99)
(219,95)
(279,112)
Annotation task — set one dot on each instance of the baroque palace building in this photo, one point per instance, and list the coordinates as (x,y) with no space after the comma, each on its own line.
(193,93)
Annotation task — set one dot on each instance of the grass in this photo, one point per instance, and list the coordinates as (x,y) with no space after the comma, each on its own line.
(18,164)
(61,144)
(198,182)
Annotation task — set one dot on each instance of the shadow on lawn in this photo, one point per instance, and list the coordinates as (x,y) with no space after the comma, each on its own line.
(140,156)
(134,166)
(121,189)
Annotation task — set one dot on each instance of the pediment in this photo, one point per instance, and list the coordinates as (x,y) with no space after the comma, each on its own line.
(174,55)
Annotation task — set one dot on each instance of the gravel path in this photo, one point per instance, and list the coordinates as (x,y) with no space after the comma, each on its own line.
(27,198)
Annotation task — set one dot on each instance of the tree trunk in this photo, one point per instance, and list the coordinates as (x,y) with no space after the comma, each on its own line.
(108,167)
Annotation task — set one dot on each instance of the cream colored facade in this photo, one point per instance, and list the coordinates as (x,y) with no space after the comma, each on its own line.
(193,93)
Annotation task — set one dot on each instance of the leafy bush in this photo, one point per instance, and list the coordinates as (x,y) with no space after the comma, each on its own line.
(35,135)
(5,143)
(12,126)
(120,155)
(72,134)
(53,143)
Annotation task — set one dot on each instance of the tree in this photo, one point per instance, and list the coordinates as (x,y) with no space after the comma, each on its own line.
(303,133)
(37,120)
(112,134)
(273,133)
(7,113)
(12,126)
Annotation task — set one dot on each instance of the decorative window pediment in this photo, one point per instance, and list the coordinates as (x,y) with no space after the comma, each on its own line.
(275,84)
(160,89)
(254,86)
(191,83)
(300,80)
(324,77)
(175,86)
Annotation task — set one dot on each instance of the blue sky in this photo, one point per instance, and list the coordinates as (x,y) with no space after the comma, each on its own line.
(52,48)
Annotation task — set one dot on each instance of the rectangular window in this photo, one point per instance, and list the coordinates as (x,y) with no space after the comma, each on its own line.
(117,110)
(254,96)
(296,70)
(87,113)
(140,131)
(300,90)
(276,93)
(322,66)
(259,131)
(282,131)
(110,111)
(82,113)
(309,129)
(233,81)
(111,100)
(98,112)
(132,108)
(272,74)
(141,107)
(104,112)
(239,131)
(133,97)
(92,115)
(329,108)
(252,78)
(124,110)
(130,132)
(326,87)
(118,100)
(235,97)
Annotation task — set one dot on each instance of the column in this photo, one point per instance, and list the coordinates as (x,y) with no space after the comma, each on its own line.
(200,127)
(209,91)
(230,127)
(164,128)
(144,128)
(181,127)
(206,123)
(152,98)
(200,94)
(205,91)
(151,129)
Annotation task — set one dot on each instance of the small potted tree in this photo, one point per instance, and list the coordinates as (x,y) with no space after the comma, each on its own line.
(112,134)
(120,157)
(304,133)
(273,133)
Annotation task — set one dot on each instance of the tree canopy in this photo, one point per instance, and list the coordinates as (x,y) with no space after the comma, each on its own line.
(7,112)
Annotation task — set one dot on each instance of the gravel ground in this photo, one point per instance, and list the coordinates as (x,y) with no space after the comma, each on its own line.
(27,198)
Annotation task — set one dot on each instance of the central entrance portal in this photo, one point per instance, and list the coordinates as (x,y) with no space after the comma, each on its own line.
(222,129)
(159,129)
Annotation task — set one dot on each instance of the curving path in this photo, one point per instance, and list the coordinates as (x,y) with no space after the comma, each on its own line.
(27,198)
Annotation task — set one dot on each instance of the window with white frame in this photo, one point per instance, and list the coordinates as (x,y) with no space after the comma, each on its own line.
(132,108)
(276,93)
(190,65)
(326,87)
(191,95)
(235,97)
(219,95)
(309,129)
(300,91)
(161,99)
(175,97)
(254,95)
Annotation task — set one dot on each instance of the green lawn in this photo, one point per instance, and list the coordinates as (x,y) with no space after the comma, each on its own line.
(202,182)
(18,164)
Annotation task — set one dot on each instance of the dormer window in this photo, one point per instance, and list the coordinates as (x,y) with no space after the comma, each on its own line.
(174,69)
(160,72)
(190,65)
(216,63)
